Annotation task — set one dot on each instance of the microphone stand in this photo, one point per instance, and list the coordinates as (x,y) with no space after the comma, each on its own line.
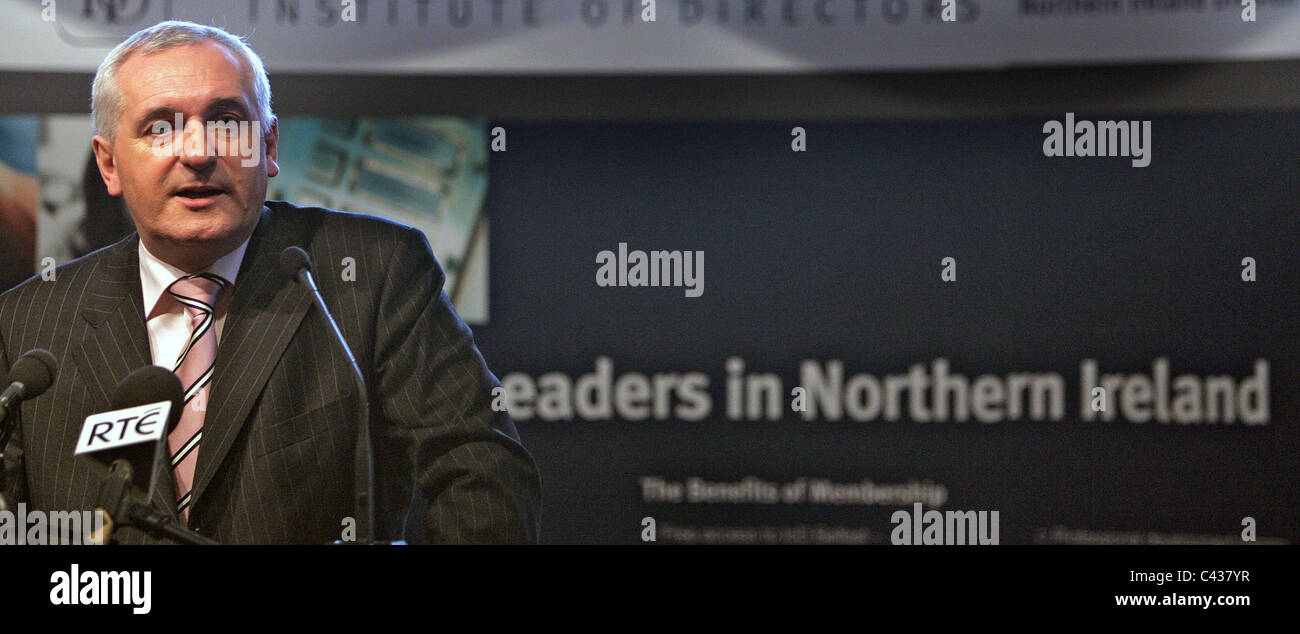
(116,503)
(9,424)
(364,463)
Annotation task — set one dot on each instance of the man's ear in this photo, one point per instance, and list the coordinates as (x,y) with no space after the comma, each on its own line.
(107,167)
(272,145)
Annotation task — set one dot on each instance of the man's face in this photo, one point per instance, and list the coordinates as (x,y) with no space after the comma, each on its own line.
(189,198)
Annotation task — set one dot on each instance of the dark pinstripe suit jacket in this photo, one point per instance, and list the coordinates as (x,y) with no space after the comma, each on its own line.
(276,463)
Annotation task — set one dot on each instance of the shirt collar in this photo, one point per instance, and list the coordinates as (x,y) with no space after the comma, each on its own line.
(156,275)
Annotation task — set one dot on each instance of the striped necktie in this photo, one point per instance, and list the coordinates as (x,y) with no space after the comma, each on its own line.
(198,294)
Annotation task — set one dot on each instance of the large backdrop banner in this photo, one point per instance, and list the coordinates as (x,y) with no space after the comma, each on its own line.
(707,336)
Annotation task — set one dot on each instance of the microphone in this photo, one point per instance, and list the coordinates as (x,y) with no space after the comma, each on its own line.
(295,263)
(144,386)
(30,376)
(131,439)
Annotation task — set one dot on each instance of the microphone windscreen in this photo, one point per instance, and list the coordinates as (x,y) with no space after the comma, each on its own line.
(294,259)
(151,384)
(36,370)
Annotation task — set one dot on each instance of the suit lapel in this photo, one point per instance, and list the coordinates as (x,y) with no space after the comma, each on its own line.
(118,341)
(265,312)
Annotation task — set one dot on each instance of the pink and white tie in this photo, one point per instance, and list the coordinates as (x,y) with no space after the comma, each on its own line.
(198,294)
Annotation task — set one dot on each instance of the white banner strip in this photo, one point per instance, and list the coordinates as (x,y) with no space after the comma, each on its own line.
(668,36)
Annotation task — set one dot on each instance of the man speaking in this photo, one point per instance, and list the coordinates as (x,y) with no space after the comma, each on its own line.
(265,450)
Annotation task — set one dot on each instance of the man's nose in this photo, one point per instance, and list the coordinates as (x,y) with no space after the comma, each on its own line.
(195,152)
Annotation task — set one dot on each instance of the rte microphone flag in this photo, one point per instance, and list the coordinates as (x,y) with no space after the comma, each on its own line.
(146,406)
(124,427)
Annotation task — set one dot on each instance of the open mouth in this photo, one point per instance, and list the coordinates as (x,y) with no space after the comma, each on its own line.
(199,192)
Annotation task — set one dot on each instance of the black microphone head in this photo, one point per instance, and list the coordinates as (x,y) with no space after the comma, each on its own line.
(36,370)
(294,259)
(151,384)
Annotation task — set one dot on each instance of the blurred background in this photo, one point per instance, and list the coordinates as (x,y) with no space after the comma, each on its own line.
(867,184)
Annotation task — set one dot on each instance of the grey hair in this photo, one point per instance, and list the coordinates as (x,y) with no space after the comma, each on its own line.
(106,101)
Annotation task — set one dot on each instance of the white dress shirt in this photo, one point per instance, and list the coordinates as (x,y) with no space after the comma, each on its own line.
(170,330)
